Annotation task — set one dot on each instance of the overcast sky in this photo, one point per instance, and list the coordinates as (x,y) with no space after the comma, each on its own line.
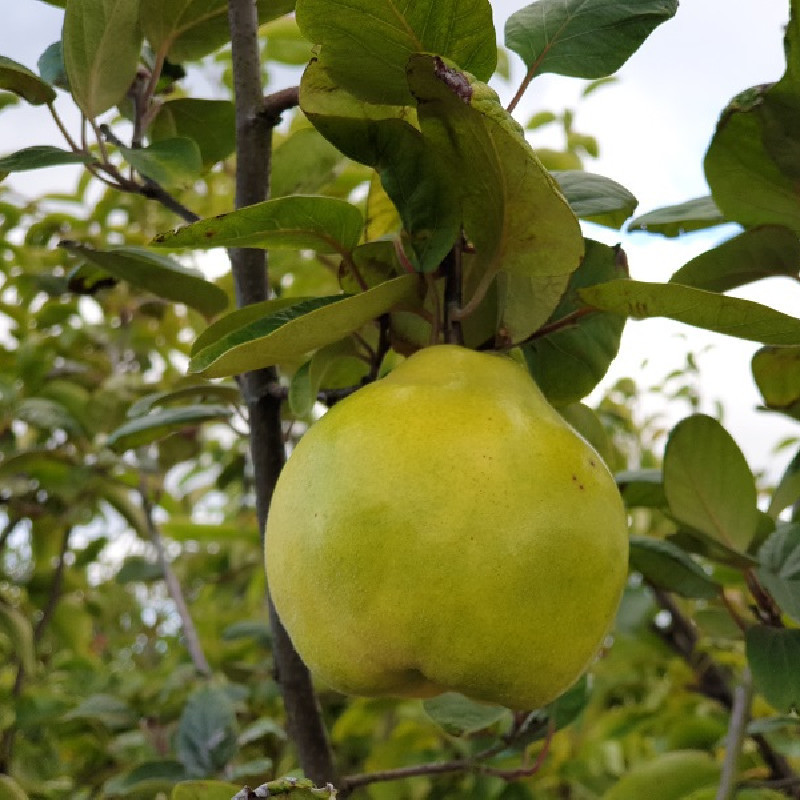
(653,126)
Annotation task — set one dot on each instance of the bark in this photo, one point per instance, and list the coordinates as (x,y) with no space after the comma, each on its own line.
(253,148)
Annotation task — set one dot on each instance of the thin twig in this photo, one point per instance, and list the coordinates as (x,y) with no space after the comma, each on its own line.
(475,764)
(713,682)
(737,732)
(174,588)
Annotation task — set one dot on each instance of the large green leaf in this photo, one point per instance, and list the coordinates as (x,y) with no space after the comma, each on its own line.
(692,215)
(780,568)
(386,137)
(156,273)
(757,253)
(19,80)
(596,198)
(513,212)
(325,224)
(161,423)
(776,371)
(187,30)
(773,655)
(101,41)
(366,44)
(169,162)
(295,330)
(787,492)
(753,162)
(667,566)
(583,38)
(708,484)
(209,123)
(40,156)
(569,362)
(733,316)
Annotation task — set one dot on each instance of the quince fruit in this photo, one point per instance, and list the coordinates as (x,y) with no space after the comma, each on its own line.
(443,529)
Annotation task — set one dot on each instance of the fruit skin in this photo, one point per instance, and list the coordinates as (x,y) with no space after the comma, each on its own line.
(443,529)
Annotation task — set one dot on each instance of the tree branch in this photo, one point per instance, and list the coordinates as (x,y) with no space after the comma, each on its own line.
(253,155)
(174,589)
(713,682)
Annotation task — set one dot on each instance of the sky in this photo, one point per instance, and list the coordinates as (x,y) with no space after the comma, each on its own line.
(653,126)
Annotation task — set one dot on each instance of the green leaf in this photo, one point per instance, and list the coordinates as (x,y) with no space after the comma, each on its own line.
(102,41)
(386,137)
(223,394)
(583,38)
(787,492)
(187,30)
(753,162)
(460,30)
(295,330)
(168,162)
(261,728)
(17,629)
(642,488)
(183,530)
(773,655)
(204,790)
(692,215)
(209,123)
(302,164)
(51,66)
(40,156)
(105,709)
(206,737)
(118,496)
(665,565)
(733,316)
(755,254)
(513,211)
(138,569)
(156,273)
(285,44)
(776,371)
(460,716)
(19,80)
(780,568)
(248,629)
(159,424)
(708,483)
(568,363)
(325,224)
(595,198)
(147,779)
(47,415)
